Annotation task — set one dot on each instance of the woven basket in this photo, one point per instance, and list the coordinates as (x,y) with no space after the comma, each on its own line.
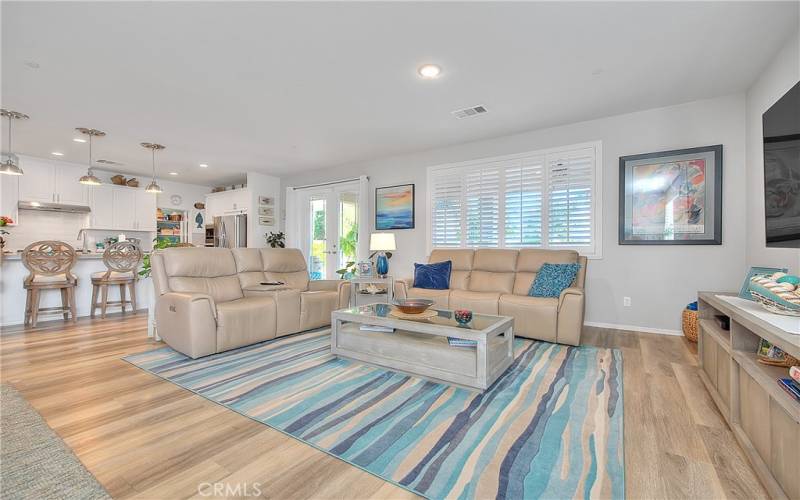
(689,324)
(786,362)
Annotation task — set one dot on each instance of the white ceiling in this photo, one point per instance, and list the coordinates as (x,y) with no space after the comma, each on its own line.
(283,87)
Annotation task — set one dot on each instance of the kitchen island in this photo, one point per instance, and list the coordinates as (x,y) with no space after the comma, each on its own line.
(12,295)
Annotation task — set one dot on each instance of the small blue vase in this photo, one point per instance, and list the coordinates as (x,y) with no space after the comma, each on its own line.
(382,264)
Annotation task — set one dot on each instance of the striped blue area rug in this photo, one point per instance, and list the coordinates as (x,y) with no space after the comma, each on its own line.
(550,427)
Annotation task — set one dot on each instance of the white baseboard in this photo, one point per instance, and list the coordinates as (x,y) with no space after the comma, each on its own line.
(633,328)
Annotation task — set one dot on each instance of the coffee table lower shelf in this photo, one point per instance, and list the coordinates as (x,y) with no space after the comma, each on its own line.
(427,354)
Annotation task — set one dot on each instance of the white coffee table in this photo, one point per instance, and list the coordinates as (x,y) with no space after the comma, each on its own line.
(420,347)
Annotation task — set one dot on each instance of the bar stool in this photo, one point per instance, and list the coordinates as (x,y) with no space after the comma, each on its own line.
(122,262)
(49,263)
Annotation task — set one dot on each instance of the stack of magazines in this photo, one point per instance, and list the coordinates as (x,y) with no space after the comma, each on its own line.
(376,328)
(461,342)
(792,383)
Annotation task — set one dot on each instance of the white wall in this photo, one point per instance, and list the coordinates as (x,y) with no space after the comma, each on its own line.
(660,280)
(262,185)
(782,73)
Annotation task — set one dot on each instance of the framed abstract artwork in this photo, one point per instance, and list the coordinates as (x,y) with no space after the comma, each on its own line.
(394,207)
(671,197)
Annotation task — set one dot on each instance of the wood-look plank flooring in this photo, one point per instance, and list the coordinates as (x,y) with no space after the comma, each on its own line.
(143,437)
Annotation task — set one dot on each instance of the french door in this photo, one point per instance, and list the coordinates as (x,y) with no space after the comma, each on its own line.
(329,225)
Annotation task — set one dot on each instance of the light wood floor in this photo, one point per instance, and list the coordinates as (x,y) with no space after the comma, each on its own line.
(147,438)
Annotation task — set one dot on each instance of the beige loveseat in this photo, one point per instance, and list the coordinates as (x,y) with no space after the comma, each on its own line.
(496,281)
(210,300)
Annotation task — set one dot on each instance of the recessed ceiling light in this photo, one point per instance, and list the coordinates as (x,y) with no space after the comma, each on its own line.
(429,71)
(32,64)
(173,173)
(56,153)
(78,139)
(204,165)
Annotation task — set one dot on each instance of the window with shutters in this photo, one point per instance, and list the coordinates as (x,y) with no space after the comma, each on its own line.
(540,199)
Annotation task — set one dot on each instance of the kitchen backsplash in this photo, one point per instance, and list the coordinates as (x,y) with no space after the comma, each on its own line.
(36,225)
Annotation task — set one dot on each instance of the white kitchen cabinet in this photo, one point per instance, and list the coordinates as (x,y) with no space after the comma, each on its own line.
(145,212)
(102,203)
(38,183)
(67,188)
(49,181)
(227,202)
(124,208)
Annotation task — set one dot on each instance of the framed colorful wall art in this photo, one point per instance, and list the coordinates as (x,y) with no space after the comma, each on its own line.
(671,197)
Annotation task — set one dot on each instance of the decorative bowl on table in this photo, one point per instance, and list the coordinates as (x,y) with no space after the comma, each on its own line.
(462,316)
(412,306)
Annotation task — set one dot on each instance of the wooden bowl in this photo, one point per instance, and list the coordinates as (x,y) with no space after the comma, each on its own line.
(412,306)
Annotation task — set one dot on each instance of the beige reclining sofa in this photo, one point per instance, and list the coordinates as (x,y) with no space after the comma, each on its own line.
(496,281)
(210,300)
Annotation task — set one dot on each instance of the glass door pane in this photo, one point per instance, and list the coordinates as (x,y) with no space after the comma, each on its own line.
(348,228)
(317,256)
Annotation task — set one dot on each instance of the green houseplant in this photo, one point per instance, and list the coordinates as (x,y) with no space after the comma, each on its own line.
(157,245)
(276,240)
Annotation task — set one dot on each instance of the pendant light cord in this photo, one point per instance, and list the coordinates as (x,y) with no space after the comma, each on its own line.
(90,154)
(154,164)
(10,119)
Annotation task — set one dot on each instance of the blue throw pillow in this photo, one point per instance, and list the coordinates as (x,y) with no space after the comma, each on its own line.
(552,279)
(434,276)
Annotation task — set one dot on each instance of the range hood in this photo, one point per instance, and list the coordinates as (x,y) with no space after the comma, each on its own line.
(54,207)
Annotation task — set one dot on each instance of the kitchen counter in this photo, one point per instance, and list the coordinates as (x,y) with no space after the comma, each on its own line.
(12,294)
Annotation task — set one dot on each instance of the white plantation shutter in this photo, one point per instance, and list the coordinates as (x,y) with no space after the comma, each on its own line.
(446,194)
(482,207)
(546,199)
(524,188)
(570,186)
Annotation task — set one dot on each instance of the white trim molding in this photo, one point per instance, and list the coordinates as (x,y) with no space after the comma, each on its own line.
(634,328)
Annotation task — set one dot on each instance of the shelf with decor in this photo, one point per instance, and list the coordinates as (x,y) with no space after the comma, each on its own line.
(764,418)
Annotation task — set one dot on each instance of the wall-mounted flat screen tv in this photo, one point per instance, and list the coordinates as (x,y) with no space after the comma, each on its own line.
(782,170)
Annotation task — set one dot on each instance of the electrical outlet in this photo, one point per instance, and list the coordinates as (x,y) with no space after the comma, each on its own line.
(626,301)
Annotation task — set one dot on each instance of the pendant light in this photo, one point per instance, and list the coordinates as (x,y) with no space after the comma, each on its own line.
(10,165)
(89,179)
(153,187)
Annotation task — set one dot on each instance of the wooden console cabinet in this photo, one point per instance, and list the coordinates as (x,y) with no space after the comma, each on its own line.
(764,418)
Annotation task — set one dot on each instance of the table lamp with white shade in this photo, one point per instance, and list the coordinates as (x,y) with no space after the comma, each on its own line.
(382,243)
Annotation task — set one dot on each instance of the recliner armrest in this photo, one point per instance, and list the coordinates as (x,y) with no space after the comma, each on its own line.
(569,291)
(186,298)
(187,322)
(401,287)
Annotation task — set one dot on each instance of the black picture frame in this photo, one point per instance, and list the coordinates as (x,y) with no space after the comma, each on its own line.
(386,227)
(713,237)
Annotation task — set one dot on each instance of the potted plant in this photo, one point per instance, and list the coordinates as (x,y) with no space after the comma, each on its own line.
(276,240)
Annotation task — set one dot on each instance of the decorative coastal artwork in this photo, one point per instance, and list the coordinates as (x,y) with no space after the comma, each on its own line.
(266,221)
(394,207)
(671,197)
(266,200)
(266,211)
(197,221)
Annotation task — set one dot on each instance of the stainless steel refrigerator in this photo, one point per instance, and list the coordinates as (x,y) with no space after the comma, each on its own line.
(230,231)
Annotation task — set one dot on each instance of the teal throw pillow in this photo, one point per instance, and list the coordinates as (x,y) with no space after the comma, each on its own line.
(552,279)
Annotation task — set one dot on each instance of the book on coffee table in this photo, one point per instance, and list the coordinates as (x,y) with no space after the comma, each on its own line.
(455,342)
(376,328)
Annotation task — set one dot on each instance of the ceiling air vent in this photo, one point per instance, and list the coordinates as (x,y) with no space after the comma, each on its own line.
(467,112)
(107,162)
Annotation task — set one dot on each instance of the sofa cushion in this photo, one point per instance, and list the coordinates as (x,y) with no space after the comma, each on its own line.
(245,321)
(534,317)
(552,279)
(493,270)
(202,270)
(530,260)
(435,276)
(461,267)
(441,298)
(249,266)
(287,265)
(478,302)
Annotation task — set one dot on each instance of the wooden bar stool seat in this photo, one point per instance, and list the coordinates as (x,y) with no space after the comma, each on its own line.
(49,263)
(122,262)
